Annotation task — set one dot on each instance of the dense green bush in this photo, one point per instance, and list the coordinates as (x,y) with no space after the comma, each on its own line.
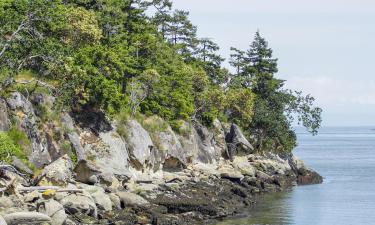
(8,149)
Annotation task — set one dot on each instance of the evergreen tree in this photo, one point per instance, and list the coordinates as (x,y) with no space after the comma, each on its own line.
(274,107)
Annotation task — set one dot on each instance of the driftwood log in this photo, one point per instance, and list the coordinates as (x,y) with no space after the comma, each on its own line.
(45,188)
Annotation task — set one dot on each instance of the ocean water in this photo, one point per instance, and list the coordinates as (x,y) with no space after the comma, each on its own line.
(345,157)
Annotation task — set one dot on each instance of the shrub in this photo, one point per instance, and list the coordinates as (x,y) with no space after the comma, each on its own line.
(8,149)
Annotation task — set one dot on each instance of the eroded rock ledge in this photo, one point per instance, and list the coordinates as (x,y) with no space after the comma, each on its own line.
(124,173)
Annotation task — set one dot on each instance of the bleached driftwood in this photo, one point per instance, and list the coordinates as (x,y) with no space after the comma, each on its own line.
(45,188)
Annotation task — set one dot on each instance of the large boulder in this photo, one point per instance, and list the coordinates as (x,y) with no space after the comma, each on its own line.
(188,139)
(139,145)
(57,173)
(24,112)
(2,221)
(304,174)
(219,142)
(54,210)
(26,218)
(272,164)
(105,150)
(4,117)
(80,203)
(237,142)
(242,164)
(115,160)
(130,199)
(175,156)
(207,152)
(73,137)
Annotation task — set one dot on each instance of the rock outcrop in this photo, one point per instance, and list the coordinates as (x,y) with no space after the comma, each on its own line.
(24,112)
(139,144)
(4,117)
(90,173)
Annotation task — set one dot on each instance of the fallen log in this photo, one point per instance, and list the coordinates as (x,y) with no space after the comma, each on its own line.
(45,188)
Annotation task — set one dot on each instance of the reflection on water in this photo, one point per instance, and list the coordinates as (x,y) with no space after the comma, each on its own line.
(271,209)
(345,157)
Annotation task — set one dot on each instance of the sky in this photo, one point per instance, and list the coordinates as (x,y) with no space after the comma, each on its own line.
(325,47)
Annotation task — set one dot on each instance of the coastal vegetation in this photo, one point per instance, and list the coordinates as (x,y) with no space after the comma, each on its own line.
(134,57)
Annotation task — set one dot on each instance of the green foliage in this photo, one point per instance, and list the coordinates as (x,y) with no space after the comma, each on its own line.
(8,149)
(275,108)
(114,57)
(20,139)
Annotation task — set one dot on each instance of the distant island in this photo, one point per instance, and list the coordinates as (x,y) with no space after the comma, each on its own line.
(116,112)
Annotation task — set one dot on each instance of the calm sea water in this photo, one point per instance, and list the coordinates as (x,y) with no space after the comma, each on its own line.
(345,157)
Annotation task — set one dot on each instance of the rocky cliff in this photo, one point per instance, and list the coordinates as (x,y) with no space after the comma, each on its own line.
(91,168)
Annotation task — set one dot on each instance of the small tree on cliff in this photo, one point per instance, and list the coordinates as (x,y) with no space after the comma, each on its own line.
(275,108)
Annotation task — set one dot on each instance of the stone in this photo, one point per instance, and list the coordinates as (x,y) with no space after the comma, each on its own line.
(308,176)
(139,145)
(26,218)
(188,139)
(57,173)
(175,156)
(87,172)
(115,160)
(219,142)
(2,221)
(4,117)
(68,124)
(102,201)
(6,202)
(18,164)
(23,108)
(237,142)
(230,174)
(206,152)
(80,203)
(54,210)
(32,197)
(272,164)
(131,199)
(242,164)
(116,202)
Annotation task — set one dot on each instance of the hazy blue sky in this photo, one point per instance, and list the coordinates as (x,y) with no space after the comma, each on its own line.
(325,47)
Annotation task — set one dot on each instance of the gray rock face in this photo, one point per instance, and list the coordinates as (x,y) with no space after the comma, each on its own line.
(4,117)
(106,151)
(189,142)
(175,156)
(67,122)
(115,160)
(237,142)
(220,144)
(207,153)
(58,172)
(54,210)
(139,145)
(26,116)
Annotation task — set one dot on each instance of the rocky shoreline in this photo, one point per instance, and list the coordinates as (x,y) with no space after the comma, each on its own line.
(200,194)
(92,170)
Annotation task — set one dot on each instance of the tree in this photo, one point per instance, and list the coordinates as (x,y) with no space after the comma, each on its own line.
(206,52)
(274,108)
